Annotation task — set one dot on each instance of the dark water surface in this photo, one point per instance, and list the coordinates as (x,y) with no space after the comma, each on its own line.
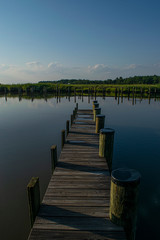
(28,129)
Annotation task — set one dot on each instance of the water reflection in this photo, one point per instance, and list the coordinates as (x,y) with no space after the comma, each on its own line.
(30,125)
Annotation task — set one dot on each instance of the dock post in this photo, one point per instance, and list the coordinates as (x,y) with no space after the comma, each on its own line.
(74,114)
(62,138)
(76,110)
(67,127)
(106,140)
(77,106)
(72,119)
(33,198)
(124,199)
(53,157)
(100,119)
(95,101)
(95,105)
(96,112)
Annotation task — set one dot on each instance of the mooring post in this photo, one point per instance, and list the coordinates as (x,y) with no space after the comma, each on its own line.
(62,138)
(33,198)
(77,106)
(95,101)
(67,127)
(124,199)
(100,119)
(95,105)
(96,112)
(53,157)
(71,119)
(76,110)
(106,140)
(74,113)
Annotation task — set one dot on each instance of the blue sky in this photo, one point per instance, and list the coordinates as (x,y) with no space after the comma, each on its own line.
(91,39)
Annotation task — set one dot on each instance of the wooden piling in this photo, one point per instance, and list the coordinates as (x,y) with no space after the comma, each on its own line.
(74,113)
(62,138)
(124,199)
(67,127)
(77,106)
(95,105)
(94,102)
(33,198)
(96,112)
(100,119)
(106,140)
(53,157)
(72,119)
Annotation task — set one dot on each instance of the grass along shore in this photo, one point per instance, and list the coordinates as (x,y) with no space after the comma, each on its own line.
(79,88)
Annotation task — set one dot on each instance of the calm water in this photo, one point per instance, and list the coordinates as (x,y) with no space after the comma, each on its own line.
(28,129)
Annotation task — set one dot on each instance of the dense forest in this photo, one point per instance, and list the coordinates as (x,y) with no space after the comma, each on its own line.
(131,80)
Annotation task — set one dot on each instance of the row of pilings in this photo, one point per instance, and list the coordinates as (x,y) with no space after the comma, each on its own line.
(81,90)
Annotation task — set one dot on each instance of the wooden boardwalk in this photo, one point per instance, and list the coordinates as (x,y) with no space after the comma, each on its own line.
(76,203)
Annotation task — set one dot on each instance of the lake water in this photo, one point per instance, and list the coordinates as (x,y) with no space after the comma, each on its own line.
(27,130)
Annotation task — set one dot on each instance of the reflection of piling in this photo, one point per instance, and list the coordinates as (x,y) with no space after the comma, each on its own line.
(104,92)
(155,92)
(118,99)
(88,98)
(124,199)
(95,92)
(106,140)
(33,198)
(53,157)
(100,119)
(20,97)
(149,99)
(128,93)
(115,93)
(133,100)
(122,98)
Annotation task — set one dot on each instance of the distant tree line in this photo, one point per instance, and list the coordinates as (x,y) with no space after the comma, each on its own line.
(130,80)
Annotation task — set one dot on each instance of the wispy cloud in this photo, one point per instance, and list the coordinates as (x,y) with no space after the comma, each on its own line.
(54,65)
(37,71)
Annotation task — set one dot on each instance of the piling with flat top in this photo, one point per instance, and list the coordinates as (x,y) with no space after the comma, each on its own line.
(96,112)
(53,157)
(67,127)
(33,198)
(106,140)
(100,119)
(62,138)
(124,199)
(95,105)
(95,101)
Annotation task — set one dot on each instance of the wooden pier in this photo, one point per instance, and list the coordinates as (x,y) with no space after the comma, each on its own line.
(76,203)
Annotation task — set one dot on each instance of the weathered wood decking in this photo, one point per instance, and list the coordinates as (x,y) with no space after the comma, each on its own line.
(76,203)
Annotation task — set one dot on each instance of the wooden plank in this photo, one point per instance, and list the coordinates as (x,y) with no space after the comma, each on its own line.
(76,223)
(54,211)
(76,192)
(43,234)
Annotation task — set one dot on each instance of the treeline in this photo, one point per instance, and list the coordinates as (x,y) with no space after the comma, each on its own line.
(130,80)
